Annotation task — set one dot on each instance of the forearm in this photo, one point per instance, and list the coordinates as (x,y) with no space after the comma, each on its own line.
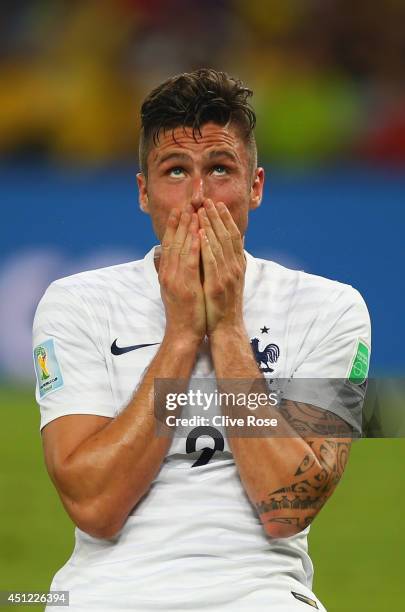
(281,473)
(107,474)
(284,481)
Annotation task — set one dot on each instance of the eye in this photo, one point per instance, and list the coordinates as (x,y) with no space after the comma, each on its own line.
(219,170)
(176,171)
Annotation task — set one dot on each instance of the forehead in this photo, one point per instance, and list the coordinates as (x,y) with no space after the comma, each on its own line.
(212,137)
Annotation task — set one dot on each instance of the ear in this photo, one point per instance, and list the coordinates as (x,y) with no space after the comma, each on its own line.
(143,193)
(256,191)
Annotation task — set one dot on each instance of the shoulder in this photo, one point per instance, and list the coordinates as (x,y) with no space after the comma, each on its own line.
(87,294)
(99,278)
(96,283)
(304,289)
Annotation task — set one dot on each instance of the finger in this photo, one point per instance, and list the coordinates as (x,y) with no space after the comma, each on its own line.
(221,232)
(214,243)
(186,248)
(194,225)
(208,259)
(193,264)
(192,260)
(170,232)
(179,239)
(233,230)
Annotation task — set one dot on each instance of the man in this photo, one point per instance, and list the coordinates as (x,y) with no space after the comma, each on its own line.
(210,520)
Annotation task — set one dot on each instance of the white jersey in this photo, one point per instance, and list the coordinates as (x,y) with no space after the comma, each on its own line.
(194,541)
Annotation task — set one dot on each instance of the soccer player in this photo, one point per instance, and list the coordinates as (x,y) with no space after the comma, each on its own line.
(205,520)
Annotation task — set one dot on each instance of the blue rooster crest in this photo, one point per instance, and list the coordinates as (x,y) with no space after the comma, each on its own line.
(270,354)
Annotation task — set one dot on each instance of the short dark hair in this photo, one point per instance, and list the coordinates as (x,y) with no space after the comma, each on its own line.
(192,99)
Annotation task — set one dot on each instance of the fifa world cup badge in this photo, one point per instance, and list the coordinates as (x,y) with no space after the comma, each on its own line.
(360,363)
(40,354)
(47,369)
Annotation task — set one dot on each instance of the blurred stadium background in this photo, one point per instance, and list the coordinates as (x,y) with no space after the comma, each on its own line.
(329,86)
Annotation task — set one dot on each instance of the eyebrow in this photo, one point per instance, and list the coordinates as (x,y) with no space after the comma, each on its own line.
(184,157)
(222,153)
(175,156)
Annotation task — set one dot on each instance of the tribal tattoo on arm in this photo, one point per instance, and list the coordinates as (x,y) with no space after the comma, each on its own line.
(296,504)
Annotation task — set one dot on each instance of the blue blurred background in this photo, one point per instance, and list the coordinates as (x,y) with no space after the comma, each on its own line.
(329,91)
(345,223)
(328,81)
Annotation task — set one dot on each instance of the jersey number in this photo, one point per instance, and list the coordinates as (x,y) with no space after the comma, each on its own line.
(208,452)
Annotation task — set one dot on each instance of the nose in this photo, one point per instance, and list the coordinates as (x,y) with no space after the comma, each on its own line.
(197,195)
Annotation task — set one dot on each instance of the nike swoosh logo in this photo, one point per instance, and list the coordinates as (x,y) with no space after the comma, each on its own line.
(120,350)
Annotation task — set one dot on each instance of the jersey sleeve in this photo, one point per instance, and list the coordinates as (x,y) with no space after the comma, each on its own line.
(71,372)
(332,373)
